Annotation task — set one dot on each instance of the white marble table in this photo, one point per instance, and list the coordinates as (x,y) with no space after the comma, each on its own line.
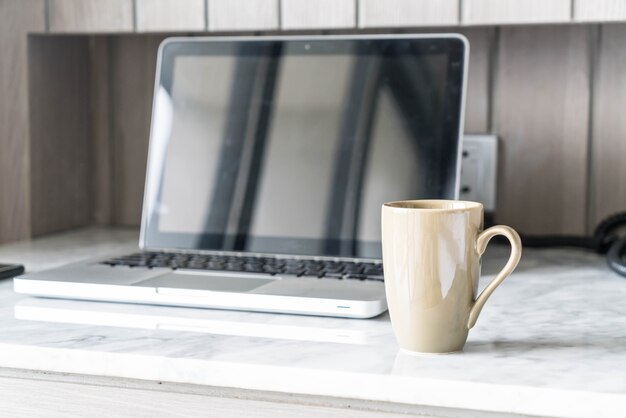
(550,342)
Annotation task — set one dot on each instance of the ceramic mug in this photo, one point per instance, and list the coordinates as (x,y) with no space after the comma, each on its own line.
(431,259)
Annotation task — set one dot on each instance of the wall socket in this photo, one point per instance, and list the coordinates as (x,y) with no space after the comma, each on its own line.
(479,168)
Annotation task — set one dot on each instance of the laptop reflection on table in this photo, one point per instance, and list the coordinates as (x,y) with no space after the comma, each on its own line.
(241,324)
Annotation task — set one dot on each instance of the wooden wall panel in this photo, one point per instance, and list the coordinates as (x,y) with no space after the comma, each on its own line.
(477,104)
(228,15)
(101,129)
(90,16)
(599,10)
(60,137)
(487,12)
(608,190)
(318,14)
(17,18)
(407,13)
(133,60)
(541,109)
(170,15)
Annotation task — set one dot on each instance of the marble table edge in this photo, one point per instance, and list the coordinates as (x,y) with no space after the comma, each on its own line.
(525,400)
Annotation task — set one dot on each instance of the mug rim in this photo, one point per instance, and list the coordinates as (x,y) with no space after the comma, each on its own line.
(461,205)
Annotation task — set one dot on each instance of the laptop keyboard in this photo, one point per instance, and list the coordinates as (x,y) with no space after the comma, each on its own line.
(265,265)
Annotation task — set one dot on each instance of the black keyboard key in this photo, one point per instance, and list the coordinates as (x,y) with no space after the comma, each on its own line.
(356,276)
(373,266)
(353,269)
(278,267)
(158,263)
(234,267)
(313,273)
(294,266)
(129,263)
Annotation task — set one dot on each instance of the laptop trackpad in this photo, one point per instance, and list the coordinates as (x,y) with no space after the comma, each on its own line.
(213,282)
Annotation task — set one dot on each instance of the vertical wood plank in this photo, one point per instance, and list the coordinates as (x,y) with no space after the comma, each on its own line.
(170,15)
(17,18)
(132,81)
(226,15)
(541,109)
(60,149)
(488,12)
(318,14)
(609,126)
(90,16)
(392,13)
(477,103)
(599,10)
(100,58)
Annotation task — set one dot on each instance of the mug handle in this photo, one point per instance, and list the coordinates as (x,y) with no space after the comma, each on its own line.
(516,254)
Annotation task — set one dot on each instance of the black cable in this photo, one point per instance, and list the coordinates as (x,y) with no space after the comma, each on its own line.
(544,241)
(616,257)
(605,231)
(603,241)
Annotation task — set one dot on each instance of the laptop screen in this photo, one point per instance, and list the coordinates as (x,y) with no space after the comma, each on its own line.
(291,146)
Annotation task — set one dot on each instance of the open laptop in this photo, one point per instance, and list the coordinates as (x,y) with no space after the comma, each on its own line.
(269,160)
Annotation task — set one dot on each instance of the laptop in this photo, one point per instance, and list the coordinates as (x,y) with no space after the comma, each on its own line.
(268,163)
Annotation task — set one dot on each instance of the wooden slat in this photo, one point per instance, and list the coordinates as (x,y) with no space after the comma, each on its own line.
(609,126)
(17,18)
(391,13)
(541,109)
(477,106)
(599,10)
(318,14)
(227,15)
(485,12)
(100,58)
(90,16)
(170,15)
(60,137)
(132,80)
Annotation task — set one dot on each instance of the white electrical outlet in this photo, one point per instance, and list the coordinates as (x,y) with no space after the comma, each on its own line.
(479,169)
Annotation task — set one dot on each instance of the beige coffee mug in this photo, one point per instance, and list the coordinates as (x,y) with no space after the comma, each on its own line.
(431,259)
